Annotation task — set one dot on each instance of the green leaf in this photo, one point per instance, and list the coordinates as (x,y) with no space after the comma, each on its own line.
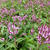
(20,39)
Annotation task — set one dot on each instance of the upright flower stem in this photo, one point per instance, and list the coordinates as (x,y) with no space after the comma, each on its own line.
(14,36)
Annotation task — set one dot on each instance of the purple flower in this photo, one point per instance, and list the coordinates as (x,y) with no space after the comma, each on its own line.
(4,10)
(44,34)
(12,11)
(12,29)
(24,17)
(34,18)
(19,18)
(39,39)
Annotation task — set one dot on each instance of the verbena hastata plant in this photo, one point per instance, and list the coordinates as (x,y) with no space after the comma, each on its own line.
(24,25)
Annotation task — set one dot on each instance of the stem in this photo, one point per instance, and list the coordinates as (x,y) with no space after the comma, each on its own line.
(38,47)
(15,40)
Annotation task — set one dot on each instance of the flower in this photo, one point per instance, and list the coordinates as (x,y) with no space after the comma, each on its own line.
(32,31)
(30,3)
(14,18)
(44,34)
(2,39)
(48,3)
(19,1)
(20,18)
(23,34)
(4,10)
(11,11)
(41,4)
(26,6)
(34,18)
(12,29)
(49,47)
(39,39)
(24,17)
(37,1)
(38,20)
(10,37)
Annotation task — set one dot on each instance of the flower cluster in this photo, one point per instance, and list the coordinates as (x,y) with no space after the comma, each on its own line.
(38,20)
(48,3)
(5,11)
(19,18)
(44,34)
(12,29)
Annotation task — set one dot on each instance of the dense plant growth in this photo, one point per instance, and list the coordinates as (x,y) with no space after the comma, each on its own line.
(25,25)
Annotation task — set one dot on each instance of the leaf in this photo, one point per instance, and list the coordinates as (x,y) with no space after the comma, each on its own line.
(20,39)
(30,45)
(1,45)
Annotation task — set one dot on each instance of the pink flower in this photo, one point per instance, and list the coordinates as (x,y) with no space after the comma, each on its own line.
(10,37)
(44,34)
(23,34)
(32,31)
(2,39)
(20,18)
(4,10)
(30,2)
(26,6)
(41,4)
(37,1)
(20,1)
(38,20)
(48,3)
(24,23)
(24,17)
(14,18)
(12,11)
(39,39)
(10,32)
(6,22)
(34,18)
(12,29)
(49,47)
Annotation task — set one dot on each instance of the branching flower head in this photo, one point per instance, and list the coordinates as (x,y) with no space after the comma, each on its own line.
(44,34)
(12,29)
